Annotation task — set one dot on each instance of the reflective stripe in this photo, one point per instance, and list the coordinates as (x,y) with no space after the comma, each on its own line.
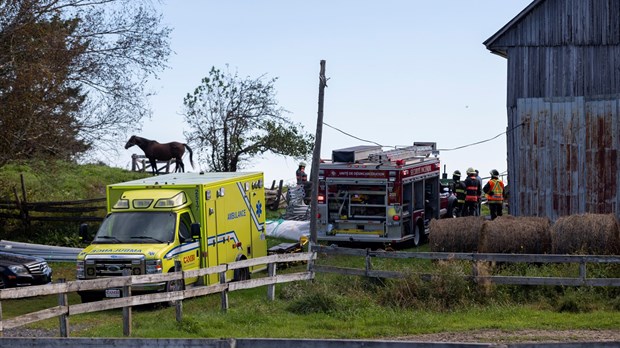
(496,194)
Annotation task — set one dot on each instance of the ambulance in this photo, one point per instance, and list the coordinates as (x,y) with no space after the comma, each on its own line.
(199,219)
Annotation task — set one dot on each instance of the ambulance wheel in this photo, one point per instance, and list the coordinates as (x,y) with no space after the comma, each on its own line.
(241,274)
(174,285)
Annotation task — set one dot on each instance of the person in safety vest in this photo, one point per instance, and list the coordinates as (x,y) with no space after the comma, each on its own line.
(458,187)
(494,190)
(473,191)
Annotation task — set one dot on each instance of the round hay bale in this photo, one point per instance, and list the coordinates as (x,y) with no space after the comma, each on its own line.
(458,235)
(516,235)
(595,234)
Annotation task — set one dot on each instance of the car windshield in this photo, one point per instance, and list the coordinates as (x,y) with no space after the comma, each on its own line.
(137,227)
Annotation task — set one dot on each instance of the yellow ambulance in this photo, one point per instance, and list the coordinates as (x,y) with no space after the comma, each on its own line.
(200,219)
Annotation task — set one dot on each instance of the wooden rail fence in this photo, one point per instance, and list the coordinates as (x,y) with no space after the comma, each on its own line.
(64,309)
(139,163)
(476,259)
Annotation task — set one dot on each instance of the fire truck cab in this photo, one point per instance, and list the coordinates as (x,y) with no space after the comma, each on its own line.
(367,196)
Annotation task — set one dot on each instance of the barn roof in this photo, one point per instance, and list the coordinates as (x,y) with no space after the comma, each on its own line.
(490,43)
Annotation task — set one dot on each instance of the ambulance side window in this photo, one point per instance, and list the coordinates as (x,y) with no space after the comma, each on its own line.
(184,228)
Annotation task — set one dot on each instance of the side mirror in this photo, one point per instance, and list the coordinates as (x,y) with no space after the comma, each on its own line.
(83,233)
(195,229)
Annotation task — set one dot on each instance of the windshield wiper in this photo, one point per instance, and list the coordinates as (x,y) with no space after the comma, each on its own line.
(109,237)
(148,237)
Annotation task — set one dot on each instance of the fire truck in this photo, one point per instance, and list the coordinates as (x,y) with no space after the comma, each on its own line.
(368,196)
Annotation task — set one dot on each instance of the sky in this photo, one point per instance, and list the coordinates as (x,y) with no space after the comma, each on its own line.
(399,71)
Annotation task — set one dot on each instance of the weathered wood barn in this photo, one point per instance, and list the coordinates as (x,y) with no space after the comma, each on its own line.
(563,106)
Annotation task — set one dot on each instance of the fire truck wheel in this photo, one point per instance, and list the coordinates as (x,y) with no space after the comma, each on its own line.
(417,236)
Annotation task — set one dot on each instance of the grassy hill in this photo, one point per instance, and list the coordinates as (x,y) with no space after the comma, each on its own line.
(53,182)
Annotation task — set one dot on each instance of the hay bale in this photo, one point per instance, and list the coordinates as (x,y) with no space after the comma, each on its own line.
(584,234)
(455,235)
(515,235)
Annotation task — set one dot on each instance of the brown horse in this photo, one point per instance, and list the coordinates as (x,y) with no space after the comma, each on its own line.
(155,151)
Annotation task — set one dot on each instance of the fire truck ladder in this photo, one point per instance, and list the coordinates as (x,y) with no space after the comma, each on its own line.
(405,153)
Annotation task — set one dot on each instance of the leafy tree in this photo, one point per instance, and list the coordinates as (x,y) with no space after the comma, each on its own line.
(39,107)
(235,119)
(72,74)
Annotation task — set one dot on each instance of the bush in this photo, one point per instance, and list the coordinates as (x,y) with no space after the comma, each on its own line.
(447,290)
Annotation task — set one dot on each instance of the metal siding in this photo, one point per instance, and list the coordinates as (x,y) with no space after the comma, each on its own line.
(564,22)
(562,56)
(567,160)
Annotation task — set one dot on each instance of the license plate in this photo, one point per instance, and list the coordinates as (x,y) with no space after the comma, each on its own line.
(113,293)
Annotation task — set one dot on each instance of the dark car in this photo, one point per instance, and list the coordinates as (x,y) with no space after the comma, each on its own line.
(23,270)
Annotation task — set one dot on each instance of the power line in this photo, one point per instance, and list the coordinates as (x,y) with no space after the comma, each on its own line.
(452,149)
(352,136)
(483,141)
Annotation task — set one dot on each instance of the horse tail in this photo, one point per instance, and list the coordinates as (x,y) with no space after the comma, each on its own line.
(191,161)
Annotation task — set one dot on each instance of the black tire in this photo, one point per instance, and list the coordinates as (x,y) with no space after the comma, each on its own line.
(241,274)
(174,285)
(3,282)
(417,236)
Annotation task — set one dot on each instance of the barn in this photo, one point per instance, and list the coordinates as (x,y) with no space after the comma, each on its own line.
(563,107)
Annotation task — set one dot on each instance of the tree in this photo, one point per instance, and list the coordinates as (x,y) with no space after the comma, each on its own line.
(235,119)
(39,107)
(74,71)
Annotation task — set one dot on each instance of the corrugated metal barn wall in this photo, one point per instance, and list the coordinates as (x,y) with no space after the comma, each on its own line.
(565,156)
(563,95)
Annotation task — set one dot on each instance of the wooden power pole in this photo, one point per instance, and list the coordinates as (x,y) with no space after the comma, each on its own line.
(316,157)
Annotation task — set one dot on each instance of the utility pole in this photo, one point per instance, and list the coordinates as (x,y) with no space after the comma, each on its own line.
(316,157)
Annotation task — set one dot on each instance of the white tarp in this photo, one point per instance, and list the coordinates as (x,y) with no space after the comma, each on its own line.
(288,229)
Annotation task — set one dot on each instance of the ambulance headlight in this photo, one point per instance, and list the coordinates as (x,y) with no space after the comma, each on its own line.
(153,266)
(175,201)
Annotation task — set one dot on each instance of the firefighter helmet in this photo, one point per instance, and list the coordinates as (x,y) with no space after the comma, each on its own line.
(494,172)
(471,170)
(457,173)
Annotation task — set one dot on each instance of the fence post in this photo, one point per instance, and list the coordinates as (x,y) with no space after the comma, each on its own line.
(475,272)
(582,270)
(368,263)
(178,304)
(224,292)
(127,309)
(63,301)
(1,325)
(271,288)
(134,163)
(276,204)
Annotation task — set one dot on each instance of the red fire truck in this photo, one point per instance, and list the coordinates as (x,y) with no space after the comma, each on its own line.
(368,196)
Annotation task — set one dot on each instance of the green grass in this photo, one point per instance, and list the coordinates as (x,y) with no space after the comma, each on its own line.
(251,315)
(334,306)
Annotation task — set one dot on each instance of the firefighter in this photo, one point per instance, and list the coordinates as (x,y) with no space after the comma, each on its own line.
(301,175)
(494,190)
(473,191)
(302,180)
(458,187)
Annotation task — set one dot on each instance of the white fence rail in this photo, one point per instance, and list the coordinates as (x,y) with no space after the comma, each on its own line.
(64,309)
(476,258)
